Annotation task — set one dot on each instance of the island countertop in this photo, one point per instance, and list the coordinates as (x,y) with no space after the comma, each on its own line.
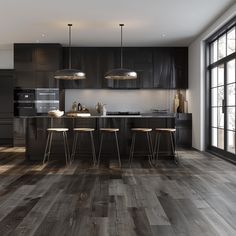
(36,132)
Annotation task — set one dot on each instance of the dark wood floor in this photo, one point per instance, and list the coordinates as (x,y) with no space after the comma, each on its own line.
(198,197)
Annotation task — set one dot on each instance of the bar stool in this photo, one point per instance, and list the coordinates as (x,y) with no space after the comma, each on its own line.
(75,141)
(111,131)
(171,133)
(146,131)
(47,152)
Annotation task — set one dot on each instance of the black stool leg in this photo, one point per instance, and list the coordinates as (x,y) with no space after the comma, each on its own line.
(150,157)
(157,147)
(74,147)
(68,148)
(65,146)
(100,149)
(93,148)
(131,154)
(46,148)
(118,150)
(173,148)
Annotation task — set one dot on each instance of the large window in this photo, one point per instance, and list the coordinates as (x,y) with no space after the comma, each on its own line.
(222,96)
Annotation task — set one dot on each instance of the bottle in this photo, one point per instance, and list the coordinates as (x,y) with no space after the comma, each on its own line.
(79,107)
(104,110)
(74,107)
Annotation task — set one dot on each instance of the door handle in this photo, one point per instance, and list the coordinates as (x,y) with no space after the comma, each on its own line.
(223,106)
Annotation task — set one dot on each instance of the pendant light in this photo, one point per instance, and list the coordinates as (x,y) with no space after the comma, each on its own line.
(69,74)
(121,73)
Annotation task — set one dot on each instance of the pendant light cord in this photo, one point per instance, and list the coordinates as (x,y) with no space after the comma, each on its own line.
(70,25)
(121,45)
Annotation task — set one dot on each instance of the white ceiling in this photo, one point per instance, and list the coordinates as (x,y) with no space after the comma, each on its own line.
(95,22)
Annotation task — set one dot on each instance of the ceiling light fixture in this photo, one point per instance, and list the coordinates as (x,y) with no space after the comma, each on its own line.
(69,74)
(121,73)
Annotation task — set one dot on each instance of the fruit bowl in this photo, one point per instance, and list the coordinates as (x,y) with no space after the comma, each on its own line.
(56,113)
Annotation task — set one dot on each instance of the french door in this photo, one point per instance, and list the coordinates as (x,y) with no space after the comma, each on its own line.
(222,99)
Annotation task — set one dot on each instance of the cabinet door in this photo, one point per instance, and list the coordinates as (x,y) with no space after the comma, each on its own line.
(25,79)
(180,56)
(47,57)
(23,57)
(128,63)
(170,68)
(164,68)
(45,79)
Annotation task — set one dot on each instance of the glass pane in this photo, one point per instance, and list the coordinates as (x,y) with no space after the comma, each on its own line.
(221,75)
(231,118)
(231,141)
(220,138)
(231,41)
(222,47)
(231,71)
(220,95)
(214,52)
(214,137)
(214,77)
(214,97)
(214,117)
(220,118)
(231,95)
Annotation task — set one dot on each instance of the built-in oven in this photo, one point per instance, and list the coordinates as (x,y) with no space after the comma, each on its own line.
(32,102)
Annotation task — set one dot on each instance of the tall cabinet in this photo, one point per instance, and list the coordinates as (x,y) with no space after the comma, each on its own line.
(6,104)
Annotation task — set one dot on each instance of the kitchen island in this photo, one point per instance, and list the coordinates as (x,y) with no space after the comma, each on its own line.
(36,133)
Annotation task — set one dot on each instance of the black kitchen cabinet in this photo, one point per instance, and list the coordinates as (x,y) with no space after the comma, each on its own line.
(183,124)
(6,103)
(86,60)
(35,64)
(19,131)
(170,67)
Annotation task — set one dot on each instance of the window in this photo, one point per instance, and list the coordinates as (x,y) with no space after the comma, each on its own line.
(222,90)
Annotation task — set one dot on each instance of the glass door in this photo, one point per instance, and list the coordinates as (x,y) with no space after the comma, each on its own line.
(222,66)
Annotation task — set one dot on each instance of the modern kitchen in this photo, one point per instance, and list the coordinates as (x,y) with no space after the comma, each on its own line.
(118,118)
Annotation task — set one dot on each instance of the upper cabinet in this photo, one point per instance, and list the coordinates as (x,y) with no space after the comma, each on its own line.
(35,64)
(156,67)
(170,68)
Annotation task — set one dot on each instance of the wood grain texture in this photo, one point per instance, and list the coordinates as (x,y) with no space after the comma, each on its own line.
(197,197)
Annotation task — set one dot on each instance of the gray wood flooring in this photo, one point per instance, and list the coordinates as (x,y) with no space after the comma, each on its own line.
(198,197)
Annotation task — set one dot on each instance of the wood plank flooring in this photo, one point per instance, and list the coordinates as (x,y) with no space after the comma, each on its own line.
(198,197)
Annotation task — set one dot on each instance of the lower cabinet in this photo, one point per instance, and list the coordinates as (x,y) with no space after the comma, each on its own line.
(183,124)
(19,131)
(6,131)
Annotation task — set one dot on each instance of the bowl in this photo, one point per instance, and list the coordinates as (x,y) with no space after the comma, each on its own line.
(56,113)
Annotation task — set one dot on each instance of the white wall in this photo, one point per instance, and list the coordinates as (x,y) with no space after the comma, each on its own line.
(196,92)
(6,57)
(121,100)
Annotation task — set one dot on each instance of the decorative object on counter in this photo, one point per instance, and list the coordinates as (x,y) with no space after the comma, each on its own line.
(69,74)
(104,110)
(176,103)
(79,107)
(185,106)
(78,114)
(121,73)
(98,107)
(56,113)
(74,107)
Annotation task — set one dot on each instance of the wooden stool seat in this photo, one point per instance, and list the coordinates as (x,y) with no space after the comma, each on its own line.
(75,141)
(84,129)
(114,132)
(47,152)
(109,129)
(141,129)
(165,130)
(58,129)
(171,133)
(147,132)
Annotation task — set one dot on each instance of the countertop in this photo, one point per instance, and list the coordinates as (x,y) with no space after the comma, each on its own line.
(144,115)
